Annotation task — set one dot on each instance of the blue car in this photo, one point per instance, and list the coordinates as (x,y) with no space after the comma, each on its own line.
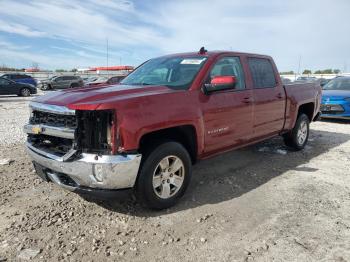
(336,99)
(21,78)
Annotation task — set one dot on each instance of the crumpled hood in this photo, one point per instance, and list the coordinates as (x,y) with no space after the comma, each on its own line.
(335,94)
(92,97)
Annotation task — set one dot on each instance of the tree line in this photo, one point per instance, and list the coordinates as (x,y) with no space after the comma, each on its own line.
(319,72)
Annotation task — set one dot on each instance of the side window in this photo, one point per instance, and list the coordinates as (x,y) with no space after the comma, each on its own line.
(229,66)
(114,80)
(4,82)
(262,72)
(59,78)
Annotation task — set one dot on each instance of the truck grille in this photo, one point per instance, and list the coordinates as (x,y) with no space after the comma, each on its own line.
(50,119)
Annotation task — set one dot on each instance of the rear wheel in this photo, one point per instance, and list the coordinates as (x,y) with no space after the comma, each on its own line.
(164,176)
(25,92)
(74,85)
(298,136)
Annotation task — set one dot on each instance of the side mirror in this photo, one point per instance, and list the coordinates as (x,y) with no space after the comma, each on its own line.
(219,83)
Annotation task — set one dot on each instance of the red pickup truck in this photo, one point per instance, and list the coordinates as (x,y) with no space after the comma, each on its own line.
(146,132)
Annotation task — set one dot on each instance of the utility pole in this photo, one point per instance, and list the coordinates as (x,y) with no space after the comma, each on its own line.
(107,58)
(299,64)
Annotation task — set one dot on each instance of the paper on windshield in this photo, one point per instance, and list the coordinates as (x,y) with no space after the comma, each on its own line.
(192,61)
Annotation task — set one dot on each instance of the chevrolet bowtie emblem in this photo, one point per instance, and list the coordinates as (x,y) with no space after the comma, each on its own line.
(37,130)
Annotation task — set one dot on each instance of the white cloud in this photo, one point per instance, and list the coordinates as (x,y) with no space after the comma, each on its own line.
(8,45)
(24,58)
(121,5)
(314,30)
(73,21)
(19,29)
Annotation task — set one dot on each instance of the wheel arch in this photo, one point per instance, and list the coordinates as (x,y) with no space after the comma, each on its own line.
(308,109)
(185,135)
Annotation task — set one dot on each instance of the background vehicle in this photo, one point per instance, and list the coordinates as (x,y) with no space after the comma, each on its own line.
(323,81)
(9,87)
(306,78)
(106,81)
(89,79)
(285,80)
(336,98)
(21,78)
(61,82)
(146,132)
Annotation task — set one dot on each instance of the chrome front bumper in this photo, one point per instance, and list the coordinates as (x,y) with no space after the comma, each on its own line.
(88,170)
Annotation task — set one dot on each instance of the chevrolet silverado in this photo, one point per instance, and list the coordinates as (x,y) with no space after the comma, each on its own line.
(146,132)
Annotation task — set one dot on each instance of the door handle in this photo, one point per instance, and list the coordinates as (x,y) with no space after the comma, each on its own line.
(247,100)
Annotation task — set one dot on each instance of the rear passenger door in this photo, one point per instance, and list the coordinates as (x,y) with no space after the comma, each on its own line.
(269,98)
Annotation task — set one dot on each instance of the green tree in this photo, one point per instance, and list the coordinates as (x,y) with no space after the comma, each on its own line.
(60,70)
(325,71)
(307,72)
(336,71)
(287,73)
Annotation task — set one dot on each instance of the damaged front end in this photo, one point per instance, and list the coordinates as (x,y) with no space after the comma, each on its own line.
(75,148)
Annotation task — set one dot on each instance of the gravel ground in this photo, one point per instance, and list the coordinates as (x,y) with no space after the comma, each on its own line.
(14,113)
(261,203)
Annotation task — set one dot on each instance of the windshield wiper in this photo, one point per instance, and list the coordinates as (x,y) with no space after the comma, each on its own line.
(140,84)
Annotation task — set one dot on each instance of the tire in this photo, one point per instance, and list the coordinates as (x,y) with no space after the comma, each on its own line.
(74,85)
(45,87)
(25,92)
(297,138)
(158,186)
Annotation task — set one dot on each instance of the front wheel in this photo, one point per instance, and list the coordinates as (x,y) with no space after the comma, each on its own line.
(298,136)
(164,176)
(25,92)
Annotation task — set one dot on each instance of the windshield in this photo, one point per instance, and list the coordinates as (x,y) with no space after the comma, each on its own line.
(173,72)
(338,84)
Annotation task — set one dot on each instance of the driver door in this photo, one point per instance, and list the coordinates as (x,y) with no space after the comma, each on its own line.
(228,114)
(6,87)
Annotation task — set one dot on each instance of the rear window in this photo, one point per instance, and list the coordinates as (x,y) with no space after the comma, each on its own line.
(19,76)
(262,72)
(24,76)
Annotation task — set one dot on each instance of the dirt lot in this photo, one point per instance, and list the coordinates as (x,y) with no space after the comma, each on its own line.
(261,203)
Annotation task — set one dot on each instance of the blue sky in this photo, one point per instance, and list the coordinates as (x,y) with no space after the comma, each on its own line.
(70,33)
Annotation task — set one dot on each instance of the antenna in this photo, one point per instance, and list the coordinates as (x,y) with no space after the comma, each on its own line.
(202,51)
